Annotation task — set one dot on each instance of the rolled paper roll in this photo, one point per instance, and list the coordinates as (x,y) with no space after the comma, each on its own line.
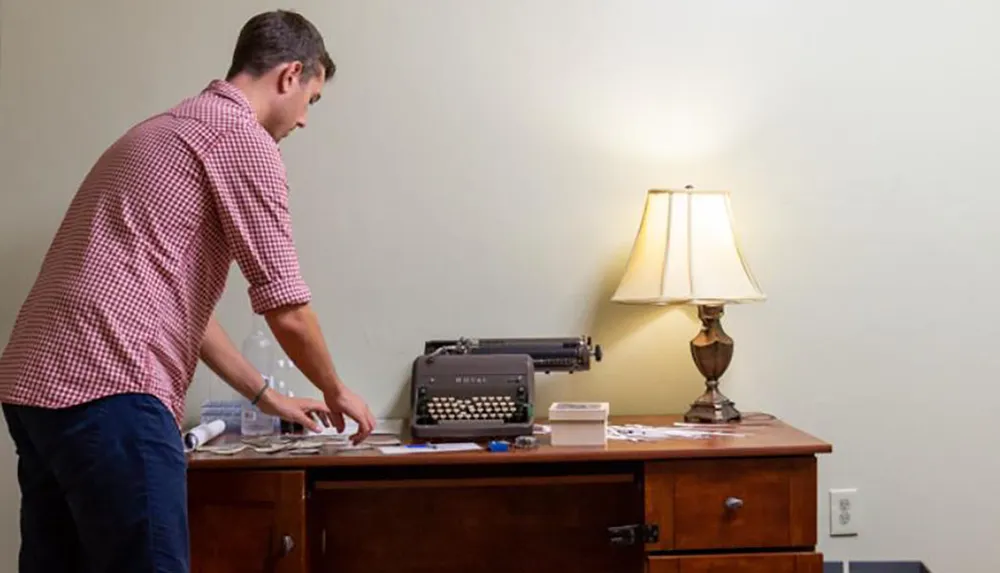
(203,433)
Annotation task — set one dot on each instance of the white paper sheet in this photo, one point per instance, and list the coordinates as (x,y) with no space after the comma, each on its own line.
(641,433)
(431,448)
(383,427)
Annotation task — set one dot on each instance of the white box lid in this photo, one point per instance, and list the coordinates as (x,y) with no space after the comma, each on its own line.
(579,411)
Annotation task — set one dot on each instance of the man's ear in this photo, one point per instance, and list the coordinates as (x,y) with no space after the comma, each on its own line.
(289,75)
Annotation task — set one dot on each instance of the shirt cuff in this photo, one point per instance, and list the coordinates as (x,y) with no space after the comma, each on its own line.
(277,294)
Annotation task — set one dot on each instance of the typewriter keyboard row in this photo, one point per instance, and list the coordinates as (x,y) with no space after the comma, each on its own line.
(450,408)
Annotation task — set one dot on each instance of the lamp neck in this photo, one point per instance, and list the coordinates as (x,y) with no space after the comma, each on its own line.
(710,316)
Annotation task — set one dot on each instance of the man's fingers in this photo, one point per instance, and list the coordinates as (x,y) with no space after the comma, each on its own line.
(320,409)
(365,423)
(369,426)
(365,428)
(308,421)
(322,417)
(338,420)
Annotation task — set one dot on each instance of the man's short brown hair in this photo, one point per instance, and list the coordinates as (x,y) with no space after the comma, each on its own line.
(277,37)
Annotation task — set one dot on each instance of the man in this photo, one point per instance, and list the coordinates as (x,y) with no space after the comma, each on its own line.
(94,376)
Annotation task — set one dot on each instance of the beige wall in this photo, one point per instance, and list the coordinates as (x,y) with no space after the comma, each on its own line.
(496,155)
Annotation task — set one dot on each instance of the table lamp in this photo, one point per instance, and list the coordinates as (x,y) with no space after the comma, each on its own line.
(686,252)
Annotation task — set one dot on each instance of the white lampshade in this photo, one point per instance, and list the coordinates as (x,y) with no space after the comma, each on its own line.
(687,252)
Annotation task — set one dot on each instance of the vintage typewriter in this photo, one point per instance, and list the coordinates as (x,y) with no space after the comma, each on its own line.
(478,389)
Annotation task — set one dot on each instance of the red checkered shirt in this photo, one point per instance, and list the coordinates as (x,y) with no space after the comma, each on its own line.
(141,258)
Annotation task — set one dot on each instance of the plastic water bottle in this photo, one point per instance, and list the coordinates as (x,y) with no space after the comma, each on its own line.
(261,351)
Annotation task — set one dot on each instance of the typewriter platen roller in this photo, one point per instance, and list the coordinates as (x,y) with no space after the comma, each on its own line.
(475,389)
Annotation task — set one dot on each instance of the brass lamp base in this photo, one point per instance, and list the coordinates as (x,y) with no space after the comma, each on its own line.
(712,351)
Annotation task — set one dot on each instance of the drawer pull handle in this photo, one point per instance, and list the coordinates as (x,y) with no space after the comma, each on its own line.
(733,503)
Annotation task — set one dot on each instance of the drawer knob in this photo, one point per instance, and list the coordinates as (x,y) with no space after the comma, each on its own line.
(733,503)
(287,544)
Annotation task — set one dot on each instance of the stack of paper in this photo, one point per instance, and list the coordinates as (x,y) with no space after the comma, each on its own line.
(383,427)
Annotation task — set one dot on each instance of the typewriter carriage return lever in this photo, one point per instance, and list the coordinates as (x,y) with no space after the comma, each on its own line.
(484,388)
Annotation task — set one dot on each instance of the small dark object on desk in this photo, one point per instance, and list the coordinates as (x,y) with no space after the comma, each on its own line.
(292,427)
(526,442)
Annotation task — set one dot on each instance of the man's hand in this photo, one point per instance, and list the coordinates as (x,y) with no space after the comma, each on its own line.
(299,410)
(298,332)
(344,401)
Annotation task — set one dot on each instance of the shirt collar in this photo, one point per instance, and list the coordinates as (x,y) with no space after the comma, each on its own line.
(229,91)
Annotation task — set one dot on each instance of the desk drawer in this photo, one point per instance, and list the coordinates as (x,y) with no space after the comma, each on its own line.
(732,503)
(750,563)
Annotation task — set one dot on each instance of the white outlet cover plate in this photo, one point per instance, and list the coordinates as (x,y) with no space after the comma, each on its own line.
(843,512)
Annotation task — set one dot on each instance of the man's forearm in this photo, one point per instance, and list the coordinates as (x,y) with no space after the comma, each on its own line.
(297,331)
(222,356)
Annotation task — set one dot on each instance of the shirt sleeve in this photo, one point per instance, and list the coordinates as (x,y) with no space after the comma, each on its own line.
(250,190)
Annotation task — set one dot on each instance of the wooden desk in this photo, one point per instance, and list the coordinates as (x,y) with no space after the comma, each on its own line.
(733,504)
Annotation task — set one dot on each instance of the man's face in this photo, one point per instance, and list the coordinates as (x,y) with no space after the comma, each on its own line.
(294,97)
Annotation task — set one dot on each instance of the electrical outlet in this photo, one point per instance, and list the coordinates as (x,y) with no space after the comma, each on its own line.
(843,512)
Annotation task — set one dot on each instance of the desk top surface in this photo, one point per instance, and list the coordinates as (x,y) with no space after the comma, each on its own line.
(763,438)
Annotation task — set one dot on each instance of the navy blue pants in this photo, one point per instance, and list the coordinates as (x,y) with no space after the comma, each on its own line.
(103,487)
